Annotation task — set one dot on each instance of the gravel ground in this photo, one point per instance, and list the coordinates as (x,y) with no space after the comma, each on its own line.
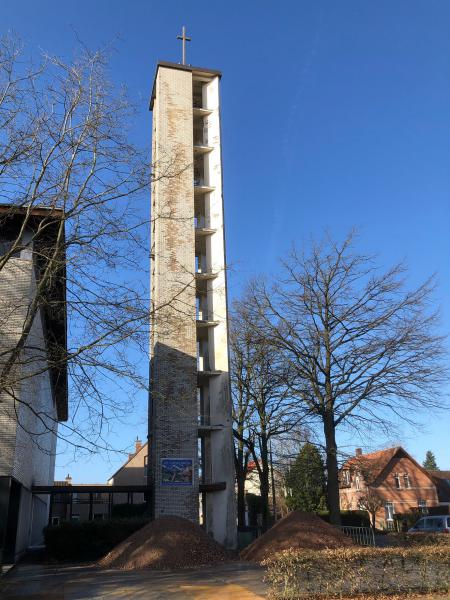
(297,530)
(167,543)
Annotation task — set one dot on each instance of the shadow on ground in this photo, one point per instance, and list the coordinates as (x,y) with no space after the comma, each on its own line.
(234,581)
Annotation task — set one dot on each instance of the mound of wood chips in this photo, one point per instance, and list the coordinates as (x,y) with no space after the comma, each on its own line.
(166,543)
(297,530)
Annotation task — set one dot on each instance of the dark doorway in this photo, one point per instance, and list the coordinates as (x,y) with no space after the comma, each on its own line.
(9,514)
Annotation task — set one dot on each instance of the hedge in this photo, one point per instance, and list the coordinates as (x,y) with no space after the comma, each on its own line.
(345,572)
(88,540)
(349,518)
(130,511)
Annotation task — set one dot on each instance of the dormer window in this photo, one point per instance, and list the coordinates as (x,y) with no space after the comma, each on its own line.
(406,481)
(346,477)
(397,482)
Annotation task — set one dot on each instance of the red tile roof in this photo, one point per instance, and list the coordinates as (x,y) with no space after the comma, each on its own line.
(375,462)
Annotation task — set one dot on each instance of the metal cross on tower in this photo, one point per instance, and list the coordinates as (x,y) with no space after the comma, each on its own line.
(184,39)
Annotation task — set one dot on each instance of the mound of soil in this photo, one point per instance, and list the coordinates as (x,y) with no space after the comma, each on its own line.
(297,530)
(167,543)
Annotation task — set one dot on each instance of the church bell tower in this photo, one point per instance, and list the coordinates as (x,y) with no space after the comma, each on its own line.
(190,425)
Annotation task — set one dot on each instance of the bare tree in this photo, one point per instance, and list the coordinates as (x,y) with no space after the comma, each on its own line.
(240,357)
(362,349)
(65,149)
(371,502)
(263,408)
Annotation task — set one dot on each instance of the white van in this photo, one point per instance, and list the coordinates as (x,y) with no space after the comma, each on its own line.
(432,524)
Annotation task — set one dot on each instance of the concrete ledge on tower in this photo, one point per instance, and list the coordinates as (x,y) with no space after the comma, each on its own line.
(203,231)
(200,149)
(212,487)
(201,112)
(202,189)
(206,275)
(201,323)
(206,429)
(205,375)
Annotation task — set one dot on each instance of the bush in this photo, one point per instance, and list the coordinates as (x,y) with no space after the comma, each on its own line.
(129,511)
(349,518)
(344,572)
(88,540)
(405,521)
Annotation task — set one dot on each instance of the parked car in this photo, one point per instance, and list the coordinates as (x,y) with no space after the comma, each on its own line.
(434,524)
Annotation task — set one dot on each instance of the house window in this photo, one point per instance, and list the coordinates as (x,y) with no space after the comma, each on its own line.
(406,481)
(389,511)
(357,483)
(146,466)
(55,520)
(75,517)
(422,504)
(398,485)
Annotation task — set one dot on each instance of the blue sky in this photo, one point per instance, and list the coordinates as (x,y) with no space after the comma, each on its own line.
(334,115)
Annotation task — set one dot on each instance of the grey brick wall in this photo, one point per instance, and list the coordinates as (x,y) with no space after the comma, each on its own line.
(173,334)
(27,446)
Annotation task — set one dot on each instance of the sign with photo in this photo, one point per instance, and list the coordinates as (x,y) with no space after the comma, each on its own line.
(177,471)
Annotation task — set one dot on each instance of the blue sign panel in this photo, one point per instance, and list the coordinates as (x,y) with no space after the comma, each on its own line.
(177,471)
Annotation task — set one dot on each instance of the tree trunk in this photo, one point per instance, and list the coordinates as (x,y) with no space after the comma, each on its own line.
(240,477)
(264,484)
(332,469)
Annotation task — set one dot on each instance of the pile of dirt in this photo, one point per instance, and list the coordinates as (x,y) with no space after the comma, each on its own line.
(167,543)
(297,530)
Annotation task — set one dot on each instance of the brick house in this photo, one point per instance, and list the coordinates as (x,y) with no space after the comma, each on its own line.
(393,476)
(29,417)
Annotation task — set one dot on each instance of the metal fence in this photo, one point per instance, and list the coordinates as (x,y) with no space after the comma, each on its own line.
(363,536)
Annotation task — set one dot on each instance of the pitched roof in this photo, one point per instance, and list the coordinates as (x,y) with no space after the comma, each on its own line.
(441,474)
(374,463)
(130,457)
(442,482)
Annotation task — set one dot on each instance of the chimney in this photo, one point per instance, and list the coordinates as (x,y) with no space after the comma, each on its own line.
(138,445)
(68,479)
(358,452)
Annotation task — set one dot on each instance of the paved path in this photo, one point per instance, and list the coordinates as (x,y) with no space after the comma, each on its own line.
(234,581)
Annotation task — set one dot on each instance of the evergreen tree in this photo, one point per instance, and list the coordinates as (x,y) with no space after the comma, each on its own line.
(430,461)
(305,481)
